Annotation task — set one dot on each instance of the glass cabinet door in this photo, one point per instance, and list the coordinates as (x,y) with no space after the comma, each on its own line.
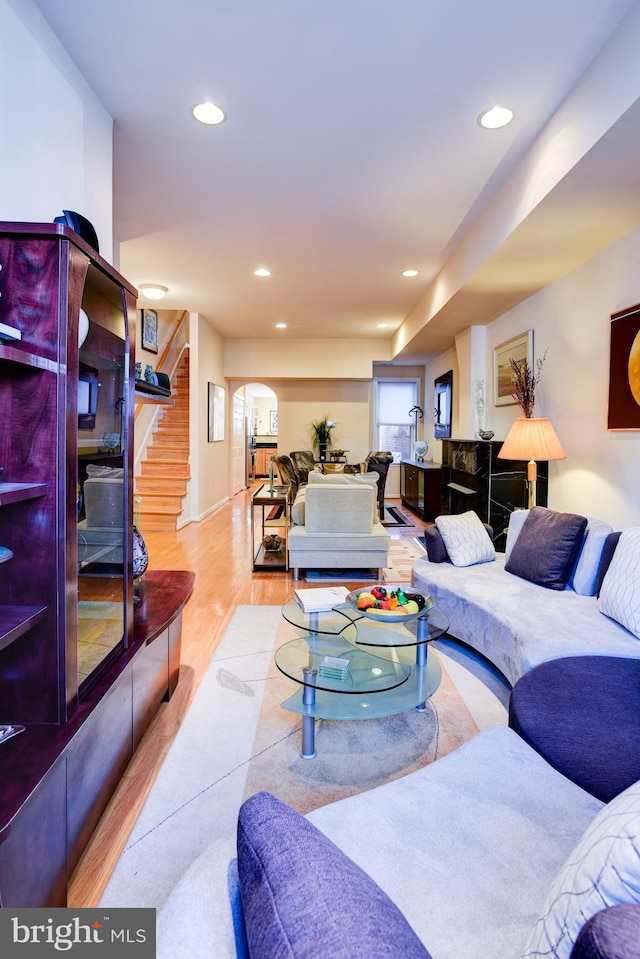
(101,487)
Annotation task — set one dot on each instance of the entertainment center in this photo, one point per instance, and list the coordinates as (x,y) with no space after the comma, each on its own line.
(78,670)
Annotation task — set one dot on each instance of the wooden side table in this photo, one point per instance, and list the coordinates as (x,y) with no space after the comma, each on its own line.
(270,515)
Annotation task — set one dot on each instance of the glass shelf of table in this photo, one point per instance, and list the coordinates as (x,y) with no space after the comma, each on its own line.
(413,633)
(302,660)
(332,622)
(419,686)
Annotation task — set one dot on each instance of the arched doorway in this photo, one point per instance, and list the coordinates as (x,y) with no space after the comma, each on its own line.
(255,433)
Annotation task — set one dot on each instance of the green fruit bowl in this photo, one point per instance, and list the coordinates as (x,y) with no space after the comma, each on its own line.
(390,615)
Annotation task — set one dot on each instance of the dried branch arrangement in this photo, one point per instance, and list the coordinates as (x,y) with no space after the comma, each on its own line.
(524,380)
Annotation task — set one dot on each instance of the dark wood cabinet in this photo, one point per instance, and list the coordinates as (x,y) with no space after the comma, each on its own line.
(420,488)
(63,579)
(475,478)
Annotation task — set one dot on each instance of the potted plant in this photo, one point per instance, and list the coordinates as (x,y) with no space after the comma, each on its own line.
(321,436)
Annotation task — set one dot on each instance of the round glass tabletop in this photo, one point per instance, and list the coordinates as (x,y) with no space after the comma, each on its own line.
(330,622)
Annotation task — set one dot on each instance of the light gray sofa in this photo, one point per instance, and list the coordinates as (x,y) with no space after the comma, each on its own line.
(468,849)
(517,624)
(336,526)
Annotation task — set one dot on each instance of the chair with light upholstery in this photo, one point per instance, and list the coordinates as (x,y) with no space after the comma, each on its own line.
(304,461)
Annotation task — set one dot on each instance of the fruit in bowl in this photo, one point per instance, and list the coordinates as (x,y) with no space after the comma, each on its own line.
(390,602)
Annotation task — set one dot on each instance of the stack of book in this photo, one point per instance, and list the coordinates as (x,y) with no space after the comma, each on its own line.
(321,599)
(332,667)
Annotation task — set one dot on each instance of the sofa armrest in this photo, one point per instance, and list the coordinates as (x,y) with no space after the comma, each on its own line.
(613,933)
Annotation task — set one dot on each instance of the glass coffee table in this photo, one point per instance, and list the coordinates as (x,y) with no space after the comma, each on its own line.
(348,666)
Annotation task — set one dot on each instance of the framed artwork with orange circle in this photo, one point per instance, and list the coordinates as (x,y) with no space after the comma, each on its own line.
(624,370)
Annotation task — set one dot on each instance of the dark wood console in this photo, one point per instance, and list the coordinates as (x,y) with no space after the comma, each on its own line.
(57,780)
(420,488)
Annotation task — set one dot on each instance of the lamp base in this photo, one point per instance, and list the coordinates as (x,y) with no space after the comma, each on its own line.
(532,476)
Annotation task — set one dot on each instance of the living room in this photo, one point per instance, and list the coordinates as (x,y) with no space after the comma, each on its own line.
(566,298)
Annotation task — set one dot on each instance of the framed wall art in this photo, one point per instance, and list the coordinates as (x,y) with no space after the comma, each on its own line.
(149,330)
(216,403)
(273,421)
(624,370)
(518,348)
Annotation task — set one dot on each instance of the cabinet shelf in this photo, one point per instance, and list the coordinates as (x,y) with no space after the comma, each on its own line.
(16,492)
(10,354)
(15,621)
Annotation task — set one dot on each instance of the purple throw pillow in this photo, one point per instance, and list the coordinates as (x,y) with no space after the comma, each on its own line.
(547,547)
(613,933)
(608,550)
(303,896)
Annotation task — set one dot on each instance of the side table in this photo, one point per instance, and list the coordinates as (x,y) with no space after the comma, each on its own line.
(270,515)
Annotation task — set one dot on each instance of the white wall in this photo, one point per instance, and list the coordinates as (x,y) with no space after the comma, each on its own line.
(571,318)
(210,462)
(56,137)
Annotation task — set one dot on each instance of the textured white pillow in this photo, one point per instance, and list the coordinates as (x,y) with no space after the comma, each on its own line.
(620,592)
(466,539)
(603,870)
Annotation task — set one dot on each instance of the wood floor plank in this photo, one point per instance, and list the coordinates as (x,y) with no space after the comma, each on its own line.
(218,550)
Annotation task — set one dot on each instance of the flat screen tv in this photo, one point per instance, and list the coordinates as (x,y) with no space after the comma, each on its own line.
(87,396)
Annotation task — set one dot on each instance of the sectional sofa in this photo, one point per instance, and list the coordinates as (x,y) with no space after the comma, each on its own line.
(491,851)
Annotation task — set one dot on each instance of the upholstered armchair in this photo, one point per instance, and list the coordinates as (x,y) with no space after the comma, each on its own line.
(304,462)
(379,463)
(288,475)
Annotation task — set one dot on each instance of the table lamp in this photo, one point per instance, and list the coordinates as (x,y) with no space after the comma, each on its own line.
(532,438)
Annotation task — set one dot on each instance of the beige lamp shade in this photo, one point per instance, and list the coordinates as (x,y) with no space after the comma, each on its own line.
(532,438)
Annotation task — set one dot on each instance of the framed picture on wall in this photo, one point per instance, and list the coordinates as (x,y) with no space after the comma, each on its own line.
(149,330)
(518,348)
(216,403)
(442,404)
(624,370)
(273,421)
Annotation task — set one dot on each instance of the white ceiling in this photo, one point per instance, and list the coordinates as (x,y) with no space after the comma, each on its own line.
(350,151)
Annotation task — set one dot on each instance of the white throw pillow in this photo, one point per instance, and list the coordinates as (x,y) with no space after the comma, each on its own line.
(466,539)
(620,592)
(603,870)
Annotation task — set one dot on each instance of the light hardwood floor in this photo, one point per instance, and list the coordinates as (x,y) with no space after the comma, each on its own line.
(218,551)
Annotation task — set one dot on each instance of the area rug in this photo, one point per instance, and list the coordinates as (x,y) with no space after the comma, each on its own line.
(395,517)
(402,555)
(236,739)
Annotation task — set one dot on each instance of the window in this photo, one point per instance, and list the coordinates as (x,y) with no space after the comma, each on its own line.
(395,428)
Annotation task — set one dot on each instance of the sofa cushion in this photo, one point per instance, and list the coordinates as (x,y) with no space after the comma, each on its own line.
(298,507)
(349,479)
(603,870)
(584,577)
(466,539)
(567,729)
(302,896)
(620,592)
(107,472)
(547,547)
(613,933)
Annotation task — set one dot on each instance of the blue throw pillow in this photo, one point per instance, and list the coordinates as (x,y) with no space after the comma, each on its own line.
(303,897)
(613,933)
(547,548)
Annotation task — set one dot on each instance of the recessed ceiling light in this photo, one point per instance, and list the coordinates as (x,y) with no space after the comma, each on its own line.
(495,118)
(208,113)
(262,272)
(410,272)
(153,291)
(281,326)
(382,326)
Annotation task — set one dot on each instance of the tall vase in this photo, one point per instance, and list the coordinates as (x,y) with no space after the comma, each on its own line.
(322,452)
(140,554)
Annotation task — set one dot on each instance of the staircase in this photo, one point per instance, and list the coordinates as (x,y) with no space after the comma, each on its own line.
(162,484)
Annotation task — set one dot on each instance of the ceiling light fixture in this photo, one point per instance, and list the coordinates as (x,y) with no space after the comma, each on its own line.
(208,113)
(495,118)
(153,291)
(281,326)
(410,272)
(382,326)
(262,272)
